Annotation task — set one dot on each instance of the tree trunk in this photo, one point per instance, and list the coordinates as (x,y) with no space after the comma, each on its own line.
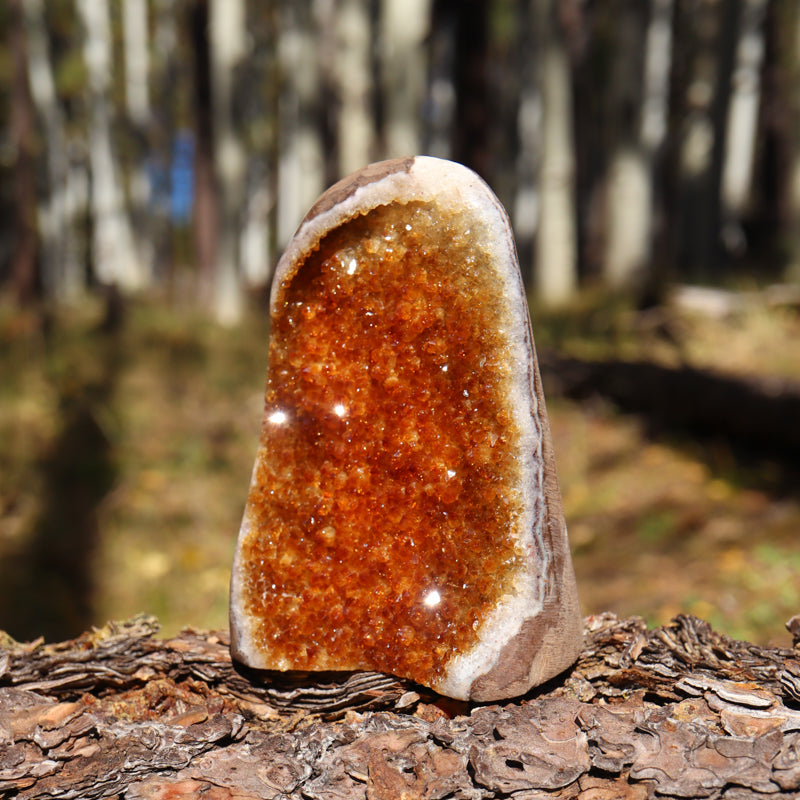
(228,43)
(742,125)
(134,30)
(115,257)
(301,158)
(137,103)
(255,250)
(161,215)
(440,97)
(474,106)
(555,275)
(529,133)
(356,134)
(24,259)
(206,211)
(678,711)
(628,219)
(639,92)
(62,278)
(404,24)
(710,32)
(784,18)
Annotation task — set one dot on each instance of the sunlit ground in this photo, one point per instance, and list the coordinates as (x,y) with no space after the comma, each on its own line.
(125,460)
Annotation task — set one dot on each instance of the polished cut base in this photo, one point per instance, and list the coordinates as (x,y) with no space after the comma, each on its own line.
(404,514)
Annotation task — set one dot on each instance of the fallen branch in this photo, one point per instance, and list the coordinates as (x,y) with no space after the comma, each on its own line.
(676,711)
(716,303)
(759,411)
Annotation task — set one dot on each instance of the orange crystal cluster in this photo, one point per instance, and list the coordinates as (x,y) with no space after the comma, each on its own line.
(387,481)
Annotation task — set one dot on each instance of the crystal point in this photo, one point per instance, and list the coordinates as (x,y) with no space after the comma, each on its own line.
(404,514)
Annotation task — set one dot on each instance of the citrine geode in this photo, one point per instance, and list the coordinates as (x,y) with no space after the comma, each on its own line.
(404,514)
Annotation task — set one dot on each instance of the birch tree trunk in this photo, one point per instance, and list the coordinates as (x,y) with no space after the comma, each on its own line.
(228,45)
(529,130)
(555,276)
(628,189)
(255,251)
(116,261)
(257,246)
(301,158)
(404,26)
(742,124)
(640,81)
(655,125)
(356,134)
(135,40)
(134,30)
(61,274)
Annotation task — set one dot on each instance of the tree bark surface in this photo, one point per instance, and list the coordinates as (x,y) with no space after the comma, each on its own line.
(678,711)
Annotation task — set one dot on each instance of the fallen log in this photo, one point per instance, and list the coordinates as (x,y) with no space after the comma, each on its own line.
(761,412)
(717,303)
(676,711)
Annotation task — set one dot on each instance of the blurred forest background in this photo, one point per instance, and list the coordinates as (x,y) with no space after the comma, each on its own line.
(157,155)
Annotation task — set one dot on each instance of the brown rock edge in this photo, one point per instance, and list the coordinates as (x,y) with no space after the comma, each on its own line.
(678,711)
